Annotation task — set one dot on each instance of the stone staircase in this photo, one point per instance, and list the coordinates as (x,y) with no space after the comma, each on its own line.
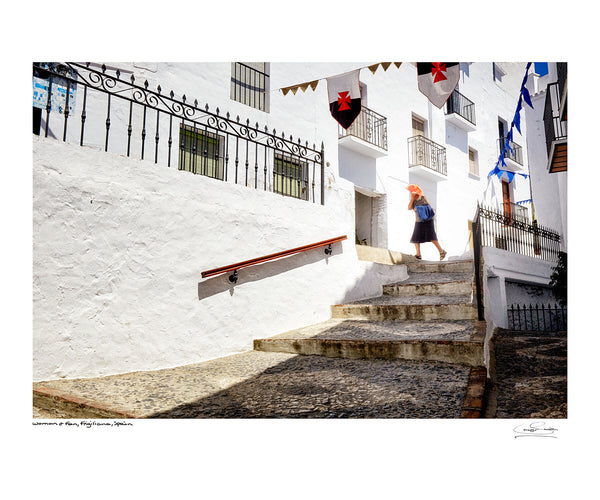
(428,317)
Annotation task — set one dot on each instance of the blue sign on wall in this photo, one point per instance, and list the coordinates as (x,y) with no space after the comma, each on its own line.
(58,99)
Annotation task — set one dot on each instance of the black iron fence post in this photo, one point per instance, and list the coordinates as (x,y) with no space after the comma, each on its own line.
(478,264)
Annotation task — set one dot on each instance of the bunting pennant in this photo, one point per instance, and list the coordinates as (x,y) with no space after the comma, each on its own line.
(516,123)
(313,85)
(344,97)
(437,80)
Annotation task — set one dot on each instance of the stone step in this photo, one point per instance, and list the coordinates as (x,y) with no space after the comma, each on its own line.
(382,255)
(457,266)
(432,284)
(420,307)
(446,341)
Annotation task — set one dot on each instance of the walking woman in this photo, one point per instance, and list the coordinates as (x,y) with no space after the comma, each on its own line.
(424,231)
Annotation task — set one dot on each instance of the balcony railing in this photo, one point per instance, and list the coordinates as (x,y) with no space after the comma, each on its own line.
(459,104)
(556,130)
(514,211)
(368,126)
(514,152)
(424,152)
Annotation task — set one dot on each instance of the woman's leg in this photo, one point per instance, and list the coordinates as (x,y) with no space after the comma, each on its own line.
(418,249)
(440,249)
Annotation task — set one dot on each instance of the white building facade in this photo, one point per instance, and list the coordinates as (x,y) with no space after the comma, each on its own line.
(159,188)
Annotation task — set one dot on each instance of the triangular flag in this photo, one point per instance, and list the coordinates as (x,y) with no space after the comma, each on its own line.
(397,64)
(527,97)
(373,67)
(304,86)
(385,66)
(313,85)
(344,97)
(437,80)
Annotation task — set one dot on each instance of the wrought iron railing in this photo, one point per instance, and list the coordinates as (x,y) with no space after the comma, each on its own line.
(554,127)
(426,153)
(537,318)
(512,234)
(126,118)
(493,228)
(459,104)
(368,126)
(513,152)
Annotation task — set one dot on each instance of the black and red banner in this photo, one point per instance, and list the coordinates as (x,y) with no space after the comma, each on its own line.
(437,80)
(344,97)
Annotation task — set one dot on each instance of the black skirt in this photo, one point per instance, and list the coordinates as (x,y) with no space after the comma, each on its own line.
(424,232)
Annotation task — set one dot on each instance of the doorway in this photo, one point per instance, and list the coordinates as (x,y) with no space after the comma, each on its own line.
(370,218)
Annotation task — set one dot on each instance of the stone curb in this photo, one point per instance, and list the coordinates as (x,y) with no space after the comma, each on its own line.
(77,407)
(474,402)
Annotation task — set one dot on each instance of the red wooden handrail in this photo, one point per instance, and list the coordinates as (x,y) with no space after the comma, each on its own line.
(259,260)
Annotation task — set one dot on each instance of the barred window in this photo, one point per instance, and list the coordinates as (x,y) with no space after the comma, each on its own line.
(250,84)
(290,177)
(201,152)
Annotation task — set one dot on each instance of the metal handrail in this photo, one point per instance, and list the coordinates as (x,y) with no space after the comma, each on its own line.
(273,256)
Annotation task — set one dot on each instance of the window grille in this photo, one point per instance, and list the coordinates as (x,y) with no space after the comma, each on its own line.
(290,177)
(250,84)
(201,152)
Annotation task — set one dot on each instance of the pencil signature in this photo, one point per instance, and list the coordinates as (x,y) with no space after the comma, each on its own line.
(535,429)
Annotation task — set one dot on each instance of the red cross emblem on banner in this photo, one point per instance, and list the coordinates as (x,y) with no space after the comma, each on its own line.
(437,70)
(344,100)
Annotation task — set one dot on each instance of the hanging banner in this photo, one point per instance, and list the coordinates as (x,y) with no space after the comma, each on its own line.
(344,97)
(437,80)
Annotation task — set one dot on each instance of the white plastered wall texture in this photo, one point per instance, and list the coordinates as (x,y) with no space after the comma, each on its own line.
(118,250)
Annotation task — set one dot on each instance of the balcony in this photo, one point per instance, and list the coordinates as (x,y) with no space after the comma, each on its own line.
(513,154)
(556,130)
(367,135)
(460,111)
(515,212)
(426,158)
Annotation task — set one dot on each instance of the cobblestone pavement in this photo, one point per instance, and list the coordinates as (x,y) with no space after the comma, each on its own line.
(277,385)
(531,373)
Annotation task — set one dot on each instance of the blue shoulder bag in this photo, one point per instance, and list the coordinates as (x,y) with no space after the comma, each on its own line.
(425,212)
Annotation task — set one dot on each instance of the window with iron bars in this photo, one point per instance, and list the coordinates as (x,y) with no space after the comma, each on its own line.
(290,177)
(250,84)
(201,152)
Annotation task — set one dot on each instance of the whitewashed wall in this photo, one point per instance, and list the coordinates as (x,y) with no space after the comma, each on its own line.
(549,190)
(118,250)
(393,93)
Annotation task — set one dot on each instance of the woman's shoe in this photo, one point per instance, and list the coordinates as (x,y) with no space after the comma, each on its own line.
(418,257)
(443,254)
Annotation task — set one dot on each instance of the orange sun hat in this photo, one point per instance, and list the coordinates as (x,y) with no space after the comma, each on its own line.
(414,188)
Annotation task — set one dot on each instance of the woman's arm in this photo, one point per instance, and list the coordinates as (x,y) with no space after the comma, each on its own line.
(411,203)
